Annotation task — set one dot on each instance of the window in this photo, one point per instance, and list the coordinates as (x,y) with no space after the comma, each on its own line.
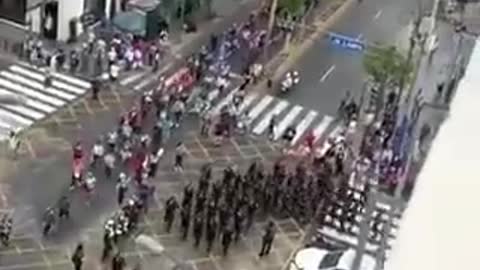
(330,260)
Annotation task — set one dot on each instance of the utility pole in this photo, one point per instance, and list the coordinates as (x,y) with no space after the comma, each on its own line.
(271,23)
(364,230)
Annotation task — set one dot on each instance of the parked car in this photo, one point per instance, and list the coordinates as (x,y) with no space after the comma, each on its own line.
(321,259)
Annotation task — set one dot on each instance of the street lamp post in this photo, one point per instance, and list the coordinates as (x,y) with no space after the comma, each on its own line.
(364,230)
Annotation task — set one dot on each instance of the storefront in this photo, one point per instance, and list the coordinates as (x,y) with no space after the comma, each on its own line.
(62,19)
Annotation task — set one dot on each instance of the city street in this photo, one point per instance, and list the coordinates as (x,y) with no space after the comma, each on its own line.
(28,251)
(328,72)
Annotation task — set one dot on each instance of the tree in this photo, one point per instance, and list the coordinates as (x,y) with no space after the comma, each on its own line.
(388,69)
(291,10)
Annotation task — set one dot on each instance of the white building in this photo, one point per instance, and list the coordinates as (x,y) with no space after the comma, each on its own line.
(52,18)
(441,226)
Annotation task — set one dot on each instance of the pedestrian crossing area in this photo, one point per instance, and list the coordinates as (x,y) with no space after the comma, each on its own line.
(377,239)
(26,100)
(261,109)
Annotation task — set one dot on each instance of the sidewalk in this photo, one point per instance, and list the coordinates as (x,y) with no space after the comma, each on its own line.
(452,53)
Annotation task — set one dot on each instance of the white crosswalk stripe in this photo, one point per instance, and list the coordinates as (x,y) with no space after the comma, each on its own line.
(25,83)
(247,102)
(320,129)
(262,126)
(262,108)
(287,120)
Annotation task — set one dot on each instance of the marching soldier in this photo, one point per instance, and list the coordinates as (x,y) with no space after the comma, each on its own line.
(187,196)
(170,207)
(197,229)
(211,233)
(185,222)
(238,223)
(227,238)
(267,239)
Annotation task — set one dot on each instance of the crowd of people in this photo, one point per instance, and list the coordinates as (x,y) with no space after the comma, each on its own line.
(130,153)
(218,210)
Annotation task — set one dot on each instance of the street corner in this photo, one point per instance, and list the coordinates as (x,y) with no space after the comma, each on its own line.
(38,143)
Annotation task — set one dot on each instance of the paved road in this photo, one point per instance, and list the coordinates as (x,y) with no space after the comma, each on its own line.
(30,251)
(328,72)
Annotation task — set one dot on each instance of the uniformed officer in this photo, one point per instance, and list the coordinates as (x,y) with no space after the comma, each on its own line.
(227,238)
(185,222)
(197,229)
(267,239)
(170,207)
(211,233)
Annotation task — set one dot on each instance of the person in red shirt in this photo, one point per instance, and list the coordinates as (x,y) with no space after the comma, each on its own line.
(310,140)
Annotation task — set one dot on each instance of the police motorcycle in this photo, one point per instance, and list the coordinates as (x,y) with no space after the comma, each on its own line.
(291,79)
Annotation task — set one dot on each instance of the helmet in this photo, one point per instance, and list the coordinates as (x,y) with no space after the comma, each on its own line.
(295,73)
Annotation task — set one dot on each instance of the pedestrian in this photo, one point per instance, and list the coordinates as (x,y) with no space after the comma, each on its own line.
(77,257)
(267,239)
(48,221)
(47,82)
(118,262)
(271,127)
(197,229)
(122,188)
(170,207)
(14,143)
(153,165)
(64,208)
(95,89)
(109,162)
(179,154)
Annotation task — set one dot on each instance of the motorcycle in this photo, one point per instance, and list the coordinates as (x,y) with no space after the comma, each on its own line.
(290,81)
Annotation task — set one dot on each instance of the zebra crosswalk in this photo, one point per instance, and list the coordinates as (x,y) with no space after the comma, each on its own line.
(261,108)
(34,102)
(375,241)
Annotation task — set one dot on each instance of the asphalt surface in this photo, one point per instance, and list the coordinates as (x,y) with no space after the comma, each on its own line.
(30,251)
(327,72)
(42,173)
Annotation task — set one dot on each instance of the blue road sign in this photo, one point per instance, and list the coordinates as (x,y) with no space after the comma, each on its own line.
(346,42)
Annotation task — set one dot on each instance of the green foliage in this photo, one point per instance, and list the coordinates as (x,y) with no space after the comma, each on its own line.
(292,8)
(387,66)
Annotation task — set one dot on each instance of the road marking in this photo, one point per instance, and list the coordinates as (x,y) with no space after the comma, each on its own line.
(131,78)
(262,126)
(258,109)
(287,120)
(326,121)
(306,122)
(248,100)
(360,37)
(327,73)
(377,15)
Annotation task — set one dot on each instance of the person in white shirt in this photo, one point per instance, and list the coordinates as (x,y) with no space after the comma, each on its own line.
(97,152)
(114,71)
